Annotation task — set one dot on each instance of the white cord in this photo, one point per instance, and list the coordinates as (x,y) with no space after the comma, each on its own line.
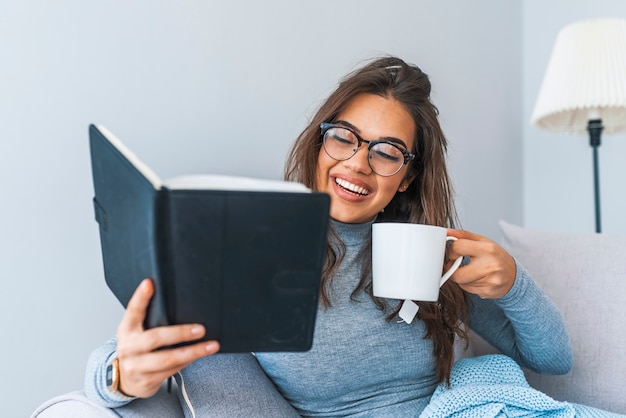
(184,392)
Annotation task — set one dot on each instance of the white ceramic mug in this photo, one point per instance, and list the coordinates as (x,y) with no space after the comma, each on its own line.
(407,261)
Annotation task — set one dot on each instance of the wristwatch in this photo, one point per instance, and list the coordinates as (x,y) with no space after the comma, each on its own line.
(113,376)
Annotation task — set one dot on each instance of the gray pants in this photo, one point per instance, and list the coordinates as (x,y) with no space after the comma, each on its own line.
(230,385)
(223,385)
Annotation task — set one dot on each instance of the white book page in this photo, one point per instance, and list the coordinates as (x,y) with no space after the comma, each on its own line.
(224,182)
(202,181)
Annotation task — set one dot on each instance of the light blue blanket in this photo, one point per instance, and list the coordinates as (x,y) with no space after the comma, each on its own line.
(495,386)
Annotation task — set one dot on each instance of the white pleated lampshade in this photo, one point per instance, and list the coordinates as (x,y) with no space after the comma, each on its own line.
(585,79)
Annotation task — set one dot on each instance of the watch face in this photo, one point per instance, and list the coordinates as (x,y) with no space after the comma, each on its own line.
(109,375)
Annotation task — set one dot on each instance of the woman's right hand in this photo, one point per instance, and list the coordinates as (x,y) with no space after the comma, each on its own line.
(143,367)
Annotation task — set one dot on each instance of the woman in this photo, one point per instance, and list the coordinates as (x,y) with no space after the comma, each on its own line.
(363,360)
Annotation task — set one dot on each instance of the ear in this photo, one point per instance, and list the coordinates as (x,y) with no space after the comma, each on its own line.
(406,183)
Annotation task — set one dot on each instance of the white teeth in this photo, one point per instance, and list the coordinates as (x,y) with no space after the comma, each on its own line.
(352,187)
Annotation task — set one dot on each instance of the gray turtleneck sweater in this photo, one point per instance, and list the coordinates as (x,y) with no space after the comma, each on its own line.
(361,365)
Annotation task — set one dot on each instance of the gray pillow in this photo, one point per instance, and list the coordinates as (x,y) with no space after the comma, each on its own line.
(585,275)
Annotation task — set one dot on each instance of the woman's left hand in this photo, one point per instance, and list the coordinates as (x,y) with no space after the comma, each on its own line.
(491,271)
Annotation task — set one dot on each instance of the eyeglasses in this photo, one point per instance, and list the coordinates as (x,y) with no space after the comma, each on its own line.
(385,157)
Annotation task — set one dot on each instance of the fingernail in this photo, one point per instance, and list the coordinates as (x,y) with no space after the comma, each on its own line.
(197,330)
(211,347)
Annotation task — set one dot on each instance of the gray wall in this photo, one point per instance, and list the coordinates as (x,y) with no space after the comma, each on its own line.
(207,87)
(558,168)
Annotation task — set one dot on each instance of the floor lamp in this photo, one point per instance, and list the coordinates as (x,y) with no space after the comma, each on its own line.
(584,87)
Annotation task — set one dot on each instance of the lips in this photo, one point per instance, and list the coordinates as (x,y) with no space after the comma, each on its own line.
(352,188)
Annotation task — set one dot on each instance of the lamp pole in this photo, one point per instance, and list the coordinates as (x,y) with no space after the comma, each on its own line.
(595,127)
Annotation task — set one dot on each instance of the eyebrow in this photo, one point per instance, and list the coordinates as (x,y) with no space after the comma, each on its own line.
(358,131)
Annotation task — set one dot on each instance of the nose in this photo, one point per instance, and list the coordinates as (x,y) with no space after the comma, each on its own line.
(359,162)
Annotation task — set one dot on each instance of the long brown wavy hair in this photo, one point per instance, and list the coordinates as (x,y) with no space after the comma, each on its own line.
(427,200)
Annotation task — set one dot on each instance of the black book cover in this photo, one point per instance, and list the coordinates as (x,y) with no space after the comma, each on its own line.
(246,263)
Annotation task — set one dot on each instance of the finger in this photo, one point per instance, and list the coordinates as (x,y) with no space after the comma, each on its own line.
(169,361)
(160,337)
(485,257)
(136,308)
(462,234)
(142,376)
(456,249)
(449,262)
(487,287)
(471,273)
(471,248)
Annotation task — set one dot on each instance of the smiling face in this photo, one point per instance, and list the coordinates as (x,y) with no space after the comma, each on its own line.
(357,194)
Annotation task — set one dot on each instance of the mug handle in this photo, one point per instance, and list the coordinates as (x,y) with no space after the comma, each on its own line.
(452,269)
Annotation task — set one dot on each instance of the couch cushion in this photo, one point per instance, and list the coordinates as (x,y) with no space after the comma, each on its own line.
(77,405)
(585,275)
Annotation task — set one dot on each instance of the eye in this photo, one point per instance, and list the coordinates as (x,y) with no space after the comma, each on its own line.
(342,136)
(387,151)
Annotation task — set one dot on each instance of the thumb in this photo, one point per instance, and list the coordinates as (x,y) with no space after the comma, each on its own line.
(136,308)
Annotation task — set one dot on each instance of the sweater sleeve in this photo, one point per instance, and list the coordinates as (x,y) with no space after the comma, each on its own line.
(95,377)
(524,324)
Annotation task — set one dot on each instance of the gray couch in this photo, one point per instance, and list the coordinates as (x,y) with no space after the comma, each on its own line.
(585,274)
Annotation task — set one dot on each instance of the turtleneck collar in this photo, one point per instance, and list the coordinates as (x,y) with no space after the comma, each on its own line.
(353,234)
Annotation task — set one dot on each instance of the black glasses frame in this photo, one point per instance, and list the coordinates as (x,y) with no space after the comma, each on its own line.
(325,126)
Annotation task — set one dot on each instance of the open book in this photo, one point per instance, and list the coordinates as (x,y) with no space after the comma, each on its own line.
(242,256)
